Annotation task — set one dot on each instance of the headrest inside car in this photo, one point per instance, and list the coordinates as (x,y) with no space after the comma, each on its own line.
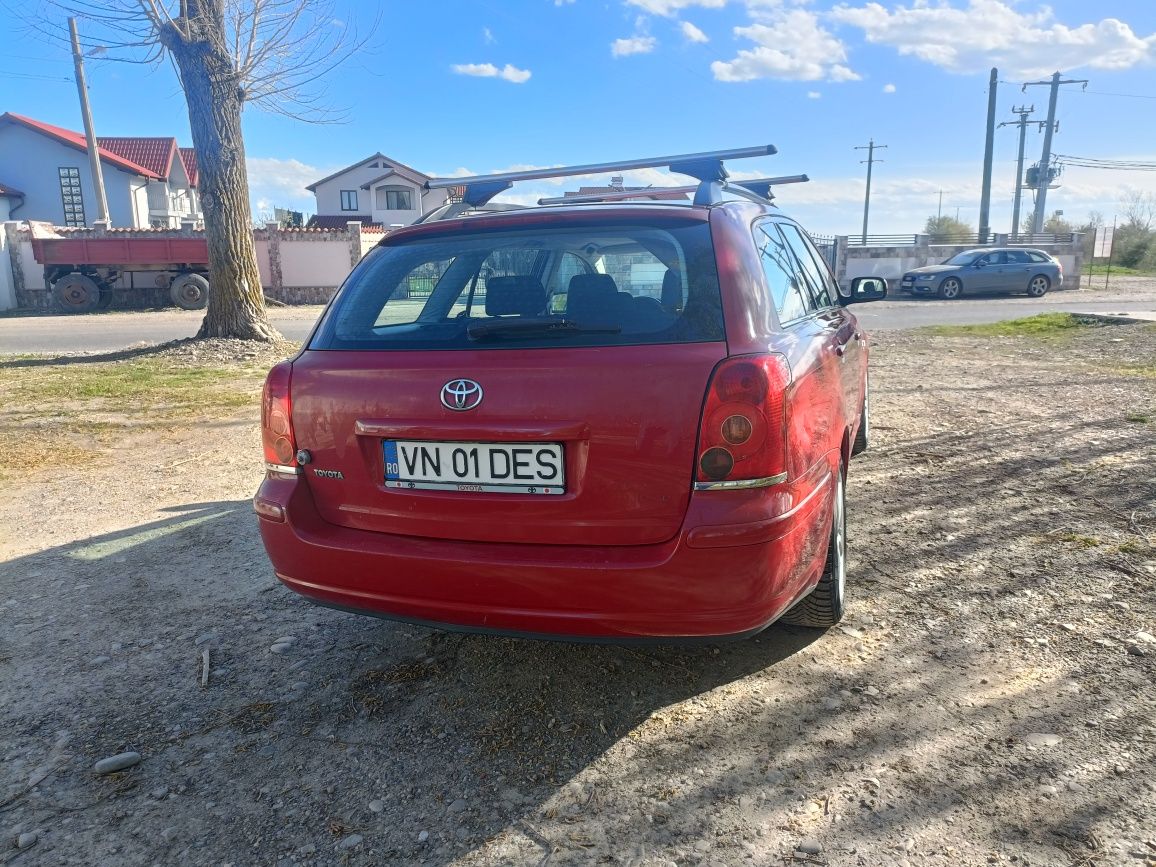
(515,296)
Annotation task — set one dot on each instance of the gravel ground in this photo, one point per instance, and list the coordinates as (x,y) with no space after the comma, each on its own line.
(989,698)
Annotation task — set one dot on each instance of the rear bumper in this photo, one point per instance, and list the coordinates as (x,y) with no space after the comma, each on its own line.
(714,579)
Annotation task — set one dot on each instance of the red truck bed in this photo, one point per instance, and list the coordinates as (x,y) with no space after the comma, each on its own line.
(166,252)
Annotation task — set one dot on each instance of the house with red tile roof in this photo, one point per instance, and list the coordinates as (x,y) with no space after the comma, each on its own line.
(148,181)
(377,191)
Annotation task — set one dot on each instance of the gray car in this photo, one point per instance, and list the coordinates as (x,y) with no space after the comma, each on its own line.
(975,272)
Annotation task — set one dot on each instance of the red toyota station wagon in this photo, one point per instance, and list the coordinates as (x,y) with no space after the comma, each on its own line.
(591,419)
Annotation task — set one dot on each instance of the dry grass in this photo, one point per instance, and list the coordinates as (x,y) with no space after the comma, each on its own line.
(67,410)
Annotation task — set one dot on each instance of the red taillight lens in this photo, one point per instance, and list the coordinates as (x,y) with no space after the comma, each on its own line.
(276,417)
(743,432)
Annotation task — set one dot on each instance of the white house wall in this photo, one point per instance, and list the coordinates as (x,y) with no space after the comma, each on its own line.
(328,195)
(29,162)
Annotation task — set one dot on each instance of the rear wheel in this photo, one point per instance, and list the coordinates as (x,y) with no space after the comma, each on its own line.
(863,437)
(823,607)
(950,288)
(1039,286)
(190,291)
(76,293)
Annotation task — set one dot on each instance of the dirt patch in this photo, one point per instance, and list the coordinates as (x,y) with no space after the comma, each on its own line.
(60,411)
(988,700)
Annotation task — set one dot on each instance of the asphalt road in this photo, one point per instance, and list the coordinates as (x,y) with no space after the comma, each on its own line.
(112,330)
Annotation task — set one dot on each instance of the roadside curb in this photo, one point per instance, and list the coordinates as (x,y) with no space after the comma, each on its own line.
(1124,318)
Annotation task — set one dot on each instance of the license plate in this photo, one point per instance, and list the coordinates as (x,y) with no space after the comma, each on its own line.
(505,468)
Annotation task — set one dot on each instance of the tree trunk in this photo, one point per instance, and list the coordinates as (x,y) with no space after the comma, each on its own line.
(236,303)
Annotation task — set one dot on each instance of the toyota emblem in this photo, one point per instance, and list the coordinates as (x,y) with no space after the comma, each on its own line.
(461,394)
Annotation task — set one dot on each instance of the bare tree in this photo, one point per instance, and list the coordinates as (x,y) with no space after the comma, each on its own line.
(228,53)
(1139,209)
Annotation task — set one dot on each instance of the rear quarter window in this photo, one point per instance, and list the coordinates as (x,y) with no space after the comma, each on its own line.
(603,285)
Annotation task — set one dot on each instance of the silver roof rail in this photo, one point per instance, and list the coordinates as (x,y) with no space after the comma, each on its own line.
(761,187)
(706,167)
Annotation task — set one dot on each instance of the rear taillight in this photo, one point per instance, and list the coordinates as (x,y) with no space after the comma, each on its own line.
(742,441)
(277,419)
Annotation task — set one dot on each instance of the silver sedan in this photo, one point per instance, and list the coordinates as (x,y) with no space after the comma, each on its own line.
(975,272)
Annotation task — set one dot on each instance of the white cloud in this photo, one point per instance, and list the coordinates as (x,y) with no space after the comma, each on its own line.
(692,33)
(667,8)
(889,88)
(814,94)
(488,36)
(792,46)
(987,33)
(488,70)
(633,45)
(281,183)
(563,2)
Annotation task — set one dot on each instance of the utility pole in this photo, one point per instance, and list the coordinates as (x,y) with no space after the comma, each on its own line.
(89,132)
(1022,123)
(1045,175)
(988,148)
(870,147)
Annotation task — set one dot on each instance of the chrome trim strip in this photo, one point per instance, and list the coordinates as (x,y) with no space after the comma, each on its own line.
(282,470)
(740,483)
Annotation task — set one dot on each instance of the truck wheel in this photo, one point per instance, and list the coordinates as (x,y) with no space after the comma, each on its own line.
(76,293)
(190,291)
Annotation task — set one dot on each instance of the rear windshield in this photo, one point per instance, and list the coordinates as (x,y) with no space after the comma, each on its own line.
(604,285)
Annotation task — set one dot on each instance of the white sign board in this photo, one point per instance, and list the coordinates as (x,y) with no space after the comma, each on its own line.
(1102,248)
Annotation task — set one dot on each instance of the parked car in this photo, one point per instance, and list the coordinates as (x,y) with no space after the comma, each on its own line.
(976,272)
(595,421)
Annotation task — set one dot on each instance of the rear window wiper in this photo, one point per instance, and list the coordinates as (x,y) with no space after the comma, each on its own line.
(524,326)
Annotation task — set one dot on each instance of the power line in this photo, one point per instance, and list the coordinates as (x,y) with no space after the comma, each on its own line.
(1099,163)
(1125,95)
(32,75)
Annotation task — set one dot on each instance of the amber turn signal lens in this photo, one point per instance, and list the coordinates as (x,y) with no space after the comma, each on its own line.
(737,429)
(716,463)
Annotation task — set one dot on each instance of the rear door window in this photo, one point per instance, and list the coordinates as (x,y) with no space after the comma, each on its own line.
(1018,257)
(814,269)
(791,299)
(604,285)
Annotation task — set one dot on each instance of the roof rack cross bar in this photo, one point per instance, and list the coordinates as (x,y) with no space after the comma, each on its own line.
(709,162)
(762,186)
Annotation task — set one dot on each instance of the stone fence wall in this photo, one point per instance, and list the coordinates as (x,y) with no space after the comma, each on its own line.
(297,266)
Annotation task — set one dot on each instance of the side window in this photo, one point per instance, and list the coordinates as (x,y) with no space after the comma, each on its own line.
(993,259)
(568,267)
(1038,257)
(1017,257)
(814,269)
(790,298)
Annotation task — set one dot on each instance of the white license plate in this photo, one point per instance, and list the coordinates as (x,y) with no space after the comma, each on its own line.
(506,468)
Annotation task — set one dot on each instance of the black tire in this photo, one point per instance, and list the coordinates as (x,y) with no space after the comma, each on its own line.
(1039,285)
(950,289)
(863,436)
(76,293)
(823,607)
(190,292)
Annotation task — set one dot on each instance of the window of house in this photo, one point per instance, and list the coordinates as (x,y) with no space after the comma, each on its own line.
(71,196)
(394,199)
(349,200)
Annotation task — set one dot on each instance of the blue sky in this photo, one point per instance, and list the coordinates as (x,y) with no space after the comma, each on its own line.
(489,85)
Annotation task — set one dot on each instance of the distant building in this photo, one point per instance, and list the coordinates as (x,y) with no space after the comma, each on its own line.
(616,186)
(377,191)
(148,181)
